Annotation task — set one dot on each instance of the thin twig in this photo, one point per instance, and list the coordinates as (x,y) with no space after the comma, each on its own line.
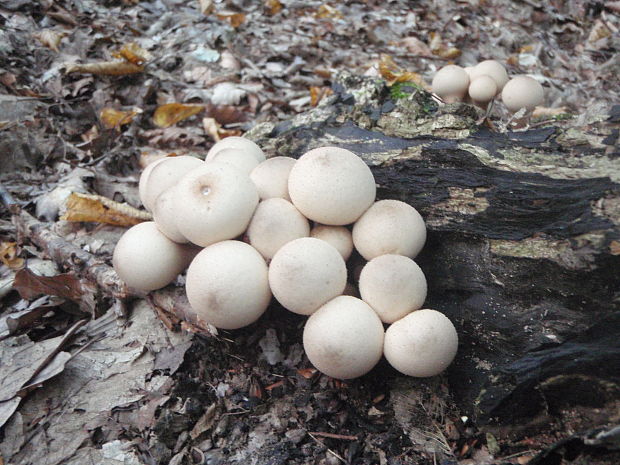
(328,449)
(334,436)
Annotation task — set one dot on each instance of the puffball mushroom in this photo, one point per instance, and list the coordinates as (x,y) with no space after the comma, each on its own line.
(227,285)
(144,178)
(241,159)
(451,83)
(165,216)
(145,259)
(389,227)
(271,177)
(393,285)
(421,344)
(165,175)
(214,202)
(494,69)
(522,92)
(482,89)
(331,185)
(276,222)
(235,142)
(344,338)
(337,236)
(306,273)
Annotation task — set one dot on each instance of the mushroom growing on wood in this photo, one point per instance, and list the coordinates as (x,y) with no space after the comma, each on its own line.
(235,142)
(337,236)
(494,69)
(482,89)
(271,177)
(241,159)
(522,92)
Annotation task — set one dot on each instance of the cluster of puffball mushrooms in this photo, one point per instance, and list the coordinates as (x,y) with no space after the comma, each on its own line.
(251,217)
(483,82)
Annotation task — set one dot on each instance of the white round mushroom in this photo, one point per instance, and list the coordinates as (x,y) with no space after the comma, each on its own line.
(144,177)
(389,227)
(227,285)
(306,273)
(165,175)
(421,344)
(165,216)
(331,185)
(271,177)
(214,202)
(393,285)
(145,259)
(235,142)
(494,69)
(275,223)
(451,83)
(344,338)
(482,89)
(522,92)
(241,159)
(338,236)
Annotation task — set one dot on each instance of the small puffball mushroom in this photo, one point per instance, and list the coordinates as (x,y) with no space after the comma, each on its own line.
(145,259)
(214,202)
(494,69)
(451,83)
(338,236)
(235,142)
(144,177)
(165,175)
(306,273)
(393,285)
(331,185)
(165,216)
(344,338)
(276,222)
(421,344)
(241,159)
(389,227)
(271,177)
(522,92)
(482,89)
(227,285)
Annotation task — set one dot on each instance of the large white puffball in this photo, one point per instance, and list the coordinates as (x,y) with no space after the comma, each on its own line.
(235,142)
(165,216)
(389,227)
(165,175)
(214,202)
(144,177)
(276,222)
(421,344)
(393,285)
(338,236)
(344,338)
(306,273)
(242,160)
(271,177)
(331,186)
(227,285)
(145,259)
(494,69)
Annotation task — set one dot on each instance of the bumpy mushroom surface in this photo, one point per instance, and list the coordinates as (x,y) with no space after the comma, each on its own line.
(165,216)
(482,89)
(165,175)
(451,83)
(389,227)
(227,285)
(275,223)
(421,344)
(241,159)
(214,202)
(494,69)
(393,285)
(344,338)
(331,186)
(240,143)
(271,177)
(145,259)
(306,273)
(338,236)
(522,92)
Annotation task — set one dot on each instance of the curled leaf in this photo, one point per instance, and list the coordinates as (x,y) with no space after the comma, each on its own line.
(98,209)
(109,68)
(9,255)
(111,118)
(171,113)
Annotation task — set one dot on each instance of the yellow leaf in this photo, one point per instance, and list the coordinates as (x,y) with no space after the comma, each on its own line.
(273,7)
(114,119)
(393,73)
(133,53)
(98,209)
(50,38)
(317,94)
(215,130)
(171,113)
(8,255)
(327,11)
(111,68)
(234,19)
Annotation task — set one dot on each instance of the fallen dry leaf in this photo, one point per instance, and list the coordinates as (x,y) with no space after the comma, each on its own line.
(318,93)
(273,7)
(133,53)
(440,49)
(91,134)
(171,113)
(206,6)
(307,372)
(107,68)
(614,247)
(234,19)
(327,11)
(98,209)
(226,114)
(393,73)
(114,119)
(30,285)
(599,31)
(9,255)
(416,47)
(50,38)
(215,130)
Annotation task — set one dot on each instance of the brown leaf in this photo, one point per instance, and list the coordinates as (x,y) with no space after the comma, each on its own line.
(307,372)
(30,285)
(9,255)
(215,130)
(273,7)
(614,247)
(317,94)
(50,38)
(109,68)
(234,19)
(171,113)
(327,11)
(98,209)
(133,53)
(440,49)
(114,119)
(393,73)
(206,6)
(226,114)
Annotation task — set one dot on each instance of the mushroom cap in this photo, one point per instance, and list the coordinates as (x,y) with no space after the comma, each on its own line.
(165,216)
(482,89)
(227,285)
(306,273)
(493,69)
(344,338)
(522,92)
(144,177)
(393,285)
(241,159)
(276,222)
(389,227)
(331,185)
(338,236)
(214,202)
(145,259)
(450,83)
(235,142)
(271,177)
(165,175)
(421,344)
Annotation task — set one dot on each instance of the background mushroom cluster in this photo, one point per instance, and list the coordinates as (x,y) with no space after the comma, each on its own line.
(247,228)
